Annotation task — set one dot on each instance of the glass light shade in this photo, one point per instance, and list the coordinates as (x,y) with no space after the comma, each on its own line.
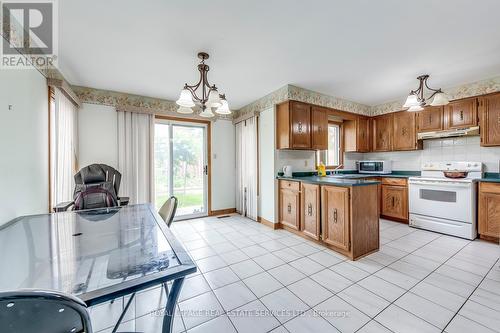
(411,100)
(207,113)
(415,108)
(224,108)
(186,99)
(440,99)
(213,99)
(183,109)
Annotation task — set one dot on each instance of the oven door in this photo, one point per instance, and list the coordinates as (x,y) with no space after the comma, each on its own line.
(442,199)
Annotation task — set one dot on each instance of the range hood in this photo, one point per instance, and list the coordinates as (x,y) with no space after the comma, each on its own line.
(470,131)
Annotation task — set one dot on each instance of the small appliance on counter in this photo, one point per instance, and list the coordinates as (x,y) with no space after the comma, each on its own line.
(287,171)
(380,167)
(444,198)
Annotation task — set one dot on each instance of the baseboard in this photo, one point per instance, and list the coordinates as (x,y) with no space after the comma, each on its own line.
(268,223)
(490,238)
(222,212)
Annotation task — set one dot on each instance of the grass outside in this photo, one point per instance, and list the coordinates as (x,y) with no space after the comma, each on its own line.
(184,200)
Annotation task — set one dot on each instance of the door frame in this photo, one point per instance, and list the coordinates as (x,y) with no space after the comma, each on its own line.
(208,123)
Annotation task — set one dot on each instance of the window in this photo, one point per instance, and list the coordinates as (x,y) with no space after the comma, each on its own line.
(333,156)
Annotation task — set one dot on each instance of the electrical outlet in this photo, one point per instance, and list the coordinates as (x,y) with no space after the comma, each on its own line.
(306,163)
(10,107)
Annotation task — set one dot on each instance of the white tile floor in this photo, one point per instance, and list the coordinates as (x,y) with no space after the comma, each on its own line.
(254,279)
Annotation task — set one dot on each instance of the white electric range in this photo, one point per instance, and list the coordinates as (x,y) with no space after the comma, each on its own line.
(445,205)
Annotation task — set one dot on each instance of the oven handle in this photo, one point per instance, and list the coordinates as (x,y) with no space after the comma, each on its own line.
(442,185)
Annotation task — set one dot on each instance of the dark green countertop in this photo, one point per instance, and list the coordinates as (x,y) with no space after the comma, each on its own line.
(328,180)
(347,177)
(491,177)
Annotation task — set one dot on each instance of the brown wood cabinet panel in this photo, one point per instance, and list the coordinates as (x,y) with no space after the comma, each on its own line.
(489,210)
(283,126)
(489,114)
(319,128)
(363,134)
(395,201)
(290,185)
(383,132)
(405,131)
(335,220)
(290,208)
(357,135)
(310,224)
(301,125)
(461,114)
(394,181)
(430,119)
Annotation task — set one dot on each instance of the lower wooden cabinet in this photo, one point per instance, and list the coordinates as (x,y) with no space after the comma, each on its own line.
(289,196)
(310,223)
(335,226)
(394,199)
(489,210)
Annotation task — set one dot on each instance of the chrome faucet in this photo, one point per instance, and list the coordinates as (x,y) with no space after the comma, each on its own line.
(335,171)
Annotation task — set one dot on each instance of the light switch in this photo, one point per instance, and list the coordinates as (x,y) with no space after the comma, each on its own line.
(10,107)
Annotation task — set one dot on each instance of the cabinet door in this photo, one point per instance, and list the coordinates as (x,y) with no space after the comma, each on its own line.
(395,201)
(382,132)
(363,134)
(405,132)
(290,208)
(319,127)
(430,119)
(335,221)
(301,125)
(489,210)
(310,210)
(490,120)
(461,114)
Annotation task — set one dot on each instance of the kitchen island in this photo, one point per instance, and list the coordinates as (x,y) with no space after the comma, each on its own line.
(341,214)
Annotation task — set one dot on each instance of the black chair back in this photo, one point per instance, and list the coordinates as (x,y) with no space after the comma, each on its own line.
(34,311)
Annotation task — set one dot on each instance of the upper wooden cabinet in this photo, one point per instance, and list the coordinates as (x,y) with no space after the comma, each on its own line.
(405,131)
(383,132)
(357,135)
(460,114)
(319,128)
(301,126)
(489,115)
(430,119)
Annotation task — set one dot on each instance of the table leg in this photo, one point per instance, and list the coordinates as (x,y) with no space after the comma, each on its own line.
(173,295)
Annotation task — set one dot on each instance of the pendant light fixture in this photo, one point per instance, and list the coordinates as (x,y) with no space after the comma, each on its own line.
(209,95)
(416,99)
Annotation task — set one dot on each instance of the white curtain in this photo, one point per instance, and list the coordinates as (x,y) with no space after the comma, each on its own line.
(246,168)
(64,148)
(135,156)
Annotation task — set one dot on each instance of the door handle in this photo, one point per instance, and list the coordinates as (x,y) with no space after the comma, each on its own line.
(289,208)
(309,209)
(205,170)
(335,215)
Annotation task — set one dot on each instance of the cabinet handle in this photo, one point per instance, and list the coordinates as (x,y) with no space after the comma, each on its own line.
(335,215)
(461,115)
(319,129)
(392,202)
(310,209)
(289,208)
(403,131)
(300,127)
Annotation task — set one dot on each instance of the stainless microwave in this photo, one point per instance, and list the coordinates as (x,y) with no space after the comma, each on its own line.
(382,167)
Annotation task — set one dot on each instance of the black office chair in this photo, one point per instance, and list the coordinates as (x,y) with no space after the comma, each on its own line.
(96,186)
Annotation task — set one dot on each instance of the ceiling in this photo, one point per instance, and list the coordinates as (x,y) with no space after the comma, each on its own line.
(361,50)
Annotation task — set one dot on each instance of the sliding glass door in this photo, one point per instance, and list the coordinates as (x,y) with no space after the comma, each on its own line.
(181,166)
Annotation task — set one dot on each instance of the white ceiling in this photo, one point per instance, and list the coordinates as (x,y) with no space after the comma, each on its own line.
(362,50)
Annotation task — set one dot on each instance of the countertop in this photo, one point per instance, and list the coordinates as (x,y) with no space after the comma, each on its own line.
(348,178)
(491,177)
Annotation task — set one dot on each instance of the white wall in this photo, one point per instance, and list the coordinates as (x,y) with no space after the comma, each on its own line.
(268,170)
(24,144)
(98,135)
(223,165)
(300,160)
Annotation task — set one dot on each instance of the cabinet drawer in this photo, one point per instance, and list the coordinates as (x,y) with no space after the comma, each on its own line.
(291,185)
(489,187)
(394,181)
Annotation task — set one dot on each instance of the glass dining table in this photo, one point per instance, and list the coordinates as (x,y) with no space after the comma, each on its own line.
(96,255)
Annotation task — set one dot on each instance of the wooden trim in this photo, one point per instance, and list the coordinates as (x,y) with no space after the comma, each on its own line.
(209,151)
(66,90)
(222,212)
(341,143)
(269,224)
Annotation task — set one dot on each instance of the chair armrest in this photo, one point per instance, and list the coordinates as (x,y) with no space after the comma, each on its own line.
(123,200)
(63,206)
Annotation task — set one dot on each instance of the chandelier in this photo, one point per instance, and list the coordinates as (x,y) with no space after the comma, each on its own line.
(416,99)
(209,97)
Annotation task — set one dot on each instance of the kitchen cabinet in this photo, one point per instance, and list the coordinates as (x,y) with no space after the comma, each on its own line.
(383,132)
(461,114)
(405,131)
(489,115)
(319,128)
(289,196)
(335,207)
(430,119)
(489,210)
(394,203)
(310,224)
(357,135)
